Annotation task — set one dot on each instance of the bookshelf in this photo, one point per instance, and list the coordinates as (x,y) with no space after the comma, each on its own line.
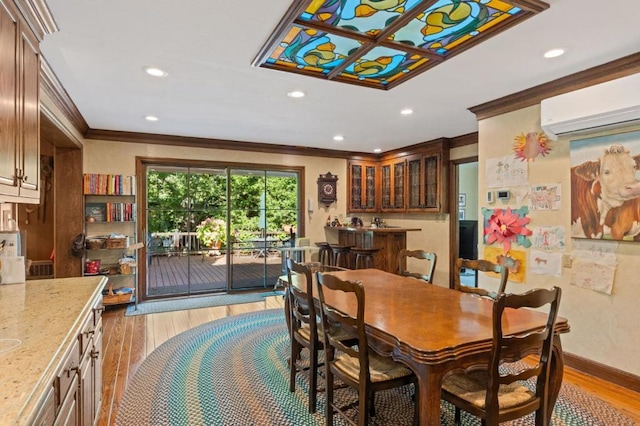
(110,229)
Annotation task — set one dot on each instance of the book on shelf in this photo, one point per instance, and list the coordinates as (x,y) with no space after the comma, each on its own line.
(108,184)
(110,212)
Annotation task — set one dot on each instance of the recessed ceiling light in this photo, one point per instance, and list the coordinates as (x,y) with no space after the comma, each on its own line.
(406,111)
(156,72)
(554,53)
(338,138)
(296,94)
(151,118)
(377,150)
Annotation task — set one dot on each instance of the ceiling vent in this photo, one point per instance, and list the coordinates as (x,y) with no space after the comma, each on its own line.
(615,103)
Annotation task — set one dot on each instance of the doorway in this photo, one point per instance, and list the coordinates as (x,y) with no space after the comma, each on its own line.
(215,228)
(465,220)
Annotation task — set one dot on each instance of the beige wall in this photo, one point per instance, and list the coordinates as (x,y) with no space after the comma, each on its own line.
(603,327)
(119,158)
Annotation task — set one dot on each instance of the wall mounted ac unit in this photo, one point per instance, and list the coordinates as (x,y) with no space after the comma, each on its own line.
(611,104)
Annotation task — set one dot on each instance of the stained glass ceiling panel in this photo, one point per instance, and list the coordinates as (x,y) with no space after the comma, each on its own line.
(382,43)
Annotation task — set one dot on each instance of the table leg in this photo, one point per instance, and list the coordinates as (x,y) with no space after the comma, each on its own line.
(428,403)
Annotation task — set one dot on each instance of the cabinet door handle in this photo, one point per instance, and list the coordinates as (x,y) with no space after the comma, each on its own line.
(89,332)
(95,354)
(24,178)
(72,369)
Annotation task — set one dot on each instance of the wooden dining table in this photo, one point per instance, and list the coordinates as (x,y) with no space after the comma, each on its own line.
(435,330)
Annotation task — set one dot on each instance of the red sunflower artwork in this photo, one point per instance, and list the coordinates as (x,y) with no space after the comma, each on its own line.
(506,226)
(528,147)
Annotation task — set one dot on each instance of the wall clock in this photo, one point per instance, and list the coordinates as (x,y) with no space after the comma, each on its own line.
(327,188)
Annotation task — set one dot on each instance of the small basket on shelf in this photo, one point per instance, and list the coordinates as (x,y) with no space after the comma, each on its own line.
(116,243)
(126,265)
(96,243)
(117,295)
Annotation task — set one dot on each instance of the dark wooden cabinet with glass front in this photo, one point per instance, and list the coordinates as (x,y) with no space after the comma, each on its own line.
(363,182)
(409,183)
(424,182)
(393,185)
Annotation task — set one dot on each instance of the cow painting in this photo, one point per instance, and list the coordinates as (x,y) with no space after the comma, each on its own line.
(605,191)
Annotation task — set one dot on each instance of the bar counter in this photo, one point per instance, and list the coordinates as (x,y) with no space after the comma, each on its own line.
(38,320)
(389,240)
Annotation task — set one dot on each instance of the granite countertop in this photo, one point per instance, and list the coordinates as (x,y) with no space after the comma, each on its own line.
(41,317)
(386,229)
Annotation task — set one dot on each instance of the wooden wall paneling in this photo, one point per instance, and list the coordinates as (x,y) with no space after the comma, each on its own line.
(68,208)
(38,220)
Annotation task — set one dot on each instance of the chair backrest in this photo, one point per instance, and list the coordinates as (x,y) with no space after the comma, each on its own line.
(337,323)
(480,266)
(417,254)
(301,307)
(514,347)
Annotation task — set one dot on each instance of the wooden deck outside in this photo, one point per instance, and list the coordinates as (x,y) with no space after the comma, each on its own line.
(172,274)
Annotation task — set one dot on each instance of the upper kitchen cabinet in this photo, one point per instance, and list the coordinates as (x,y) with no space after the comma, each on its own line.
(426,174)
(393,176)
(415,181)
(363,183)
(19,108)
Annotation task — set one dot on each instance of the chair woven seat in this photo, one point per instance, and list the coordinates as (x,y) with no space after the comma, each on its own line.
(472,387)
(380,368)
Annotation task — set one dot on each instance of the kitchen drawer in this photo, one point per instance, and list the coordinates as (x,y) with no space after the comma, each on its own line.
(67,374)
(87,331)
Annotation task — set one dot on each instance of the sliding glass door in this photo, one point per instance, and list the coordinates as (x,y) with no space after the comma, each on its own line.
(216,229)
(263,210)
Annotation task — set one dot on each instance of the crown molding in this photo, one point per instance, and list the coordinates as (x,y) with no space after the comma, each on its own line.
(150,138)
(615,69)
(50,85)
(38,17)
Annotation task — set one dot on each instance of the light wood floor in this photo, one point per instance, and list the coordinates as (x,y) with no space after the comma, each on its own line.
(129,340)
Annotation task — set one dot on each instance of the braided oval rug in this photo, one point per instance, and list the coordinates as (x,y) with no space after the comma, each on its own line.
(234,372)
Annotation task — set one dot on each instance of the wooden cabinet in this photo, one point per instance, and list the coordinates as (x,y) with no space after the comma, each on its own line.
(78,383)
(425,182)
(362,180)
(412,182)
(90,385)
(19,108)
(392,187)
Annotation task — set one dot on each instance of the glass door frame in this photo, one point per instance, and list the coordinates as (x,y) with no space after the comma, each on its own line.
(142,163)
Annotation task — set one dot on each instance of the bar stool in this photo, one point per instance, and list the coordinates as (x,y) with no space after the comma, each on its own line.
(341,256)
(325,254)
(364,257)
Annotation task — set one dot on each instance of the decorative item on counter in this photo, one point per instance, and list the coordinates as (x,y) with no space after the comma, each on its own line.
(356,221)
(328,220)
(12,270)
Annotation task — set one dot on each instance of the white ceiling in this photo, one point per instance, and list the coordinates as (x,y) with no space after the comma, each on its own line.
(213,91)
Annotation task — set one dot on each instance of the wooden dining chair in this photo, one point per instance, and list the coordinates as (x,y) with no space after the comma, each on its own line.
(304,329)
(417,254)
(497,396)
(354,364)
(480,266)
